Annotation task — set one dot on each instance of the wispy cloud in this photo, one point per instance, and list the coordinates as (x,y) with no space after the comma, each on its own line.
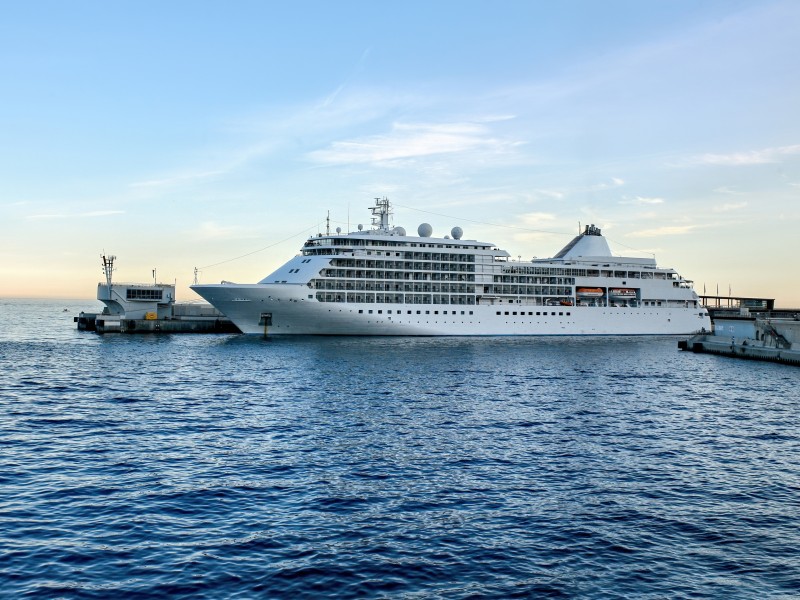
(412,140)
(666,230)
(355,71)
(642,200)
(753,157)
(84,215)
(535,219)
(179,178)
(212,230)
(730,207)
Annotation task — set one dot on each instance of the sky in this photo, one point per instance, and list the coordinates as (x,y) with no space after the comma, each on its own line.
(217,136)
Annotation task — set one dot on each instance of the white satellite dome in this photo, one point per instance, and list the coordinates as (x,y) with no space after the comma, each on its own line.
(457,232)
(425,230)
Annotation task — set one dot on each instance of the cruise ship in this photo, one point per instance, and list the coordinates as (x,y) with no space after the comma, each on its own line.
(382,281)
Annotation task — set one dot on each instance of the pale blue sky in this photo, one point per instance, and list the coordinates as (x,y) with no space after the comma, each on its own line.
(183,134)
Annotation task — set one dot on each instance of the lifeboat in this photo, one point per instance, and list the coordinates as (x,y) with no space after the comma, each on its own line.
(586,292)
(622,293)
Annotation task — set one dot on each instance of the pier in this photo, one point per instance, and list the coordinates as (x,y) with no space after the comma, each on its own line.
(184,318)
(749,328)
(149,308)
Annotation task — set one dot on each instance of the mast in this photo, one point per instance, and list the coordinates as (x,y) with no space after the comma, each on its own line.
(108,268)
(380,214)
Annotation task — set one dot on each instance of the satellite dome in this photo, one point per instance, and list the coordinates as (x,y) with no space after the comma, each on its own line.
(457,232)
(399,231)
(360,227)
(425,230)
(338,230)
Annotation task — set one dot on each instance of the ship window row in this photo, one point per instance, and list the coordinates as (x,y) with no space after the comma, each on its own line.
(532,313)
(380,286)
(420,266)
(378,298)
(143,294)
(529,300)
(629,274)
(557,271)
(533,290)
(364,242)
(395,275)
(562,272)
(534,280)
(409,312)
(405,261)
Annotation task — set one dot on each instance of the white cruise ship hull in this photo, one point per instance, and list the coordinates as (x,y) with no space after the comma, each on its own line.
(289,309)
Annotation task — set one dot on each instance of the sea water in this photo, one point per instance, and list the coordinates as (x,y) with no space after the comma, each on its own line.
(228,466)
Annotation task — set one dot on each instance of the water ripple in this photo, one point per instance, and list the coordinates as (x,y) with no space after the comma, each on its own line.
(223,466)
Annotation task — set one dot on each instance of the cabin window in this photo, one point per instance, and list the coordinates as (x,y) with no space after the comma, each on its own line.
(143,294)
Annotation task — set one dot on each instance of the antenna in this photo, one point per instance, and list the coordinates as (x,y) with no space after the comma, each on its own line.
(108,268)
(328,224)
(195,276)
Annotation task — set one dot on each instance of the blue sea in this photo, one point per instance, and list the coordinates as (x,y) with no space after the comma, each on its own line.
(225,466)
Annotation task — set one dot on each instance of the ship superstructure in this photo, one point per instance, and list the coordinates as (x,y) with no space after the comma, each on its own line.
(382,281)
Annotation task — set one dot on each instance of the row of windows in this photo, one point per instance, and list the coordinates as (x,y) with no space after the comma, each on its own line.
(558,271)
(419,312)
(361,241)
(534,280)
(399,275)
(406,256)
(143,294)
(380,286)
(395,298)
(539,290)
(568,272)
(538,313)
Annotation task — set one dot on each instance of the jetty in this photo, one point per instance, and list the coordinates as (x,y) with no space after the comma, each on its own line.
(749,328)
(149,308)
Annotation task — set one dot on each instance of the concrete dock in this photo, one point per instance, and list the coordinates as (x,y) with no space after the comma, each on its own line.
(149,308)
(185,318)
(750,337)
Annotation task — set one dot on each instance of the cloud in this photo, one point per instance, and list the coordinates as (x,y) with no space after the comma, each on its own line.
(753,157)
(179,178)
(665,231)
(85,215)
(411,140)
(213,230)
(727,190)
(729,207)
(642,200)
(534,219)
(607,185)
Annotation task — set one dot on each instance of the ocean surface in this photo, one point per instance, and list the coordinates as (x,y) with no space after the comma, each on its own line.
(225,466)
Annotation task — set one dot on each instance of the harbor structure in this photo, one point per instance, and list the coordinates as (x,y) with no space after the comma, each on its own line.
(148,308)
(751,337)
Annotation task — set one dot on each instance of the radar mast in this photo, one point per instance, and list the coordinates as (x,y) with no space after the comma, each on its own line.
(380,214)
